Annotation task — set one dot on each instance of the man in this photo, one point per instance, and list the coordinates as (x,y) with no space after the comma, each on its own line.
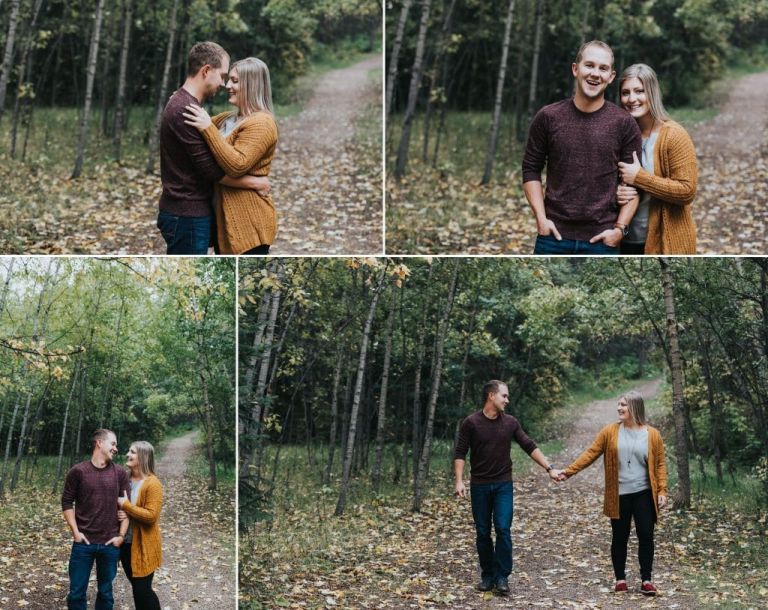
(487,435)
(581,141)
(89,502)
(188,169)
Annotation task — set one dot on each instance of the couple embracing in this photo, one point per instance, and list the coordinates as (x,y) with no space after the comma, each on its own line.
(113,514)
(619,180)
(214,170)
(635,483)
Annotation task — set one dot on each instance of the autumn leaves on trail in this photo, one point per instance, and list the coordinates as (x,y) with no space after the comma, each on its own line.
(198,545)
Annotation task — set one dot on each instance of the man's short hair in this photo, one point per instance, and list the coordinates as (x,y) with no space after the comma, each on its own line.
(205,53)
(100,435)
(593,43)
(491,386)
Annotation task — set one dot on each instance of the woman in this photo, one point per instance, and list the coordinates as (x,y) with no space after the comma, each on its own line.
(141,554)
(243,142)
(667,176)
(635,484)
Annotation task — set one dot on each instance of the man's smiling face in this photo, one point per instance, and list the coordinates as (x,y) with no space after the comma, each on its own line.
(594,72)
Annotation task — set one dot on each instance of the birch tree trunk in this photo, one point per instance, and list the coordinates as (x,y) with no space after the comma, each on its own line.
(394,56)
(10,42)
(154,137)
(119,119)
(683,495)
(426,450)
(347,468)
(59,462)
(381,421)
(413,92)
(494,136)
(340,361)
(420,351)
(540,8)
(93,55)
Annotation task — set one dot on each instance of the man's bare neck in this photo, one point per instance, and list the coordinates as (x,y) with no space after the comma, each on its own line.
(586,104)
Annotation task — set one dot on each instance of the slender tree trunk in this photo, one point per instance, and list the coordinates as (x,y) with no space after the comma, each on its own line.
(683,497)
(585,22)
(208,433)
(10,42)
(60,461)
(394,56)
(93,55)
(494,136)
(119,119)
(540,8)
(20,445)
(347,467)
(420,351)
(426,451)
(8,442)
(380,427)
(340,361)
(154,137)
(413,92)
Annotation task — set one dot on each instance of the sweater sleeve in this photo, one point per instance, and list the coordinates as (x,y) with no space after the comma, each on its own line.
(590,454)
(153,503)
(462,442)
(536,148)
(522,439)
(71,483)
(661,465)
(200,155)
(632,141)
(679,187)
(255,137)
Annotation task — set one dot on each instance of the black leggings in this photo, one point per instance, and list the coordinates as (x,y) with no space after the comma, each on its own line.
(631,248)
(261,250)
(144,598)
(640,506)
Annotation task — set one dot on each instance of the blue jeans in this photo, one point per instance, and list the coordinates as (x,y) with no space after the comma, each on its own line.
(547,245)
(80,564)
(493,503)
(185,235)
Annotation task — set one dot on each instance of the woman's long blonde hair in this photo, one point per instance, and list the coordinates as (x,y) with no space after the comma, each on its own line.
(255,88)
(650,82)
(145,453)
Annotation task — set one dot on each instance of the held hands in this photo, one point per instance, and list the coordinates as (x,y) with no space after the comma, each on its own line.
(197,117)
(122,500)
(628,171)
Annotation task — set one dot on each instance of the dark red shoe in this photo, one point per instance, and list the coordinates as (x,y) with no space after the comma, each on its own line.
(621,587)
(647,588)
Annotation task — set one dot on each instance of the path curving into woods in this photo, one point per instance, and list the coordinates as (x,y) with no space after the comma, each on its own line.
(327,201)
(731,207)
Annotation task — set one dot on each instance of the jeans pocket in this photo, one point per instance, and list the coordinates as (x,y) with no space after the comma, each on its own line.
(167,223)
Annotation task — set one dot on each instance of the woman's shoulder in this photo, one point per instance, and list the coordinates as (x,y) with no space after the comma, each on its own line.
(259,119)
(221,117)
(675,132)
(153,481)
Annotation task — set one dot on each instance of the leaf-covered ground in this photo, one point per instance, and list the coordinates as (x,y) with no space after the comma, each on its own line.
(435,212)
(384,557)
(327,173)
(197,529)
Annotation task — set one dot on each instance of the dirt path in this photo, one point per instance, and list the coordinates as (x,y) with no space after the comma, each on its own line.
(731,209)
(326,189)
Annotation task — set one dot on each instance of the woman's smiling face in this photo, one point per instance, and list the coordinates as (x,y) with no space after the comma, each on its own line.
(233,86)
(633,98)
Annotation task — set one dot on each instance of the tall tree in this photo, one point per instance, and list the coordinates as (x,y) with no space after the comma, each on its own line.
(93,55)
(119,120)
(394,56)
(10,41)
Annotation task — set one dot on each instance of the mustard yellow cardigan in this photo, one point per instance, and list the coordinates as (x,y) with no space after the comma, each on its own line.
(606,443)
(244,219)
(146,553)
(672,187)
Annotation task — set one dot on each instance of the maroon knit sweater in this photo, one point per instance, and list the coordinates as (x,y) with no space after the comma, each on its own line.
(187,167)
(582,151)
(93,493)
(489,442)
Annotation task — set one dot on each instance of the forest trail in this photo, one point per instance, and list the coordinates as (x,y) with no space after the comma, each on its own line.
(731,207)
(561,547)
(327,203)
(197,538)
